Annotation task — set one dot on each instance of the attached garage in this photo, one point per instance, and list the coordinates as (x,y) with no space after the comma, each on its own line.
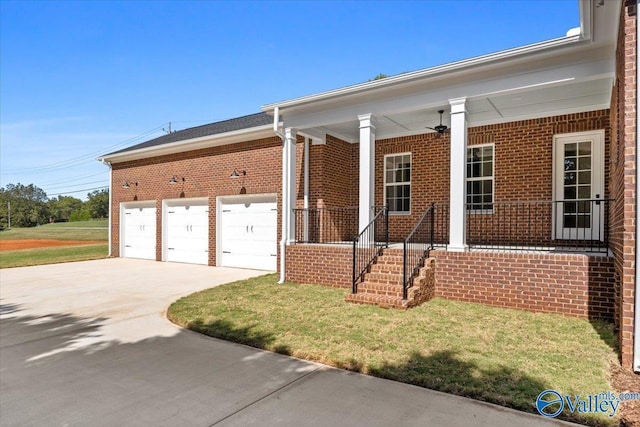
(185,236)
(247,231)
(138,230)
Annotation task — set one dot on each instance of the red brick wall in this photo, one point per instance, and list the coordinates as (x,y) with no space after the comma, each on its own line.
(320,265)
(576,285)
(622,179)
(523,162)
(206,174)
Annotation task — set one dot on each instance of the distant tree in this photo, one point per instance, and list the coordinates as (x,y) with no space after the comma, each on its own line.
(64,206)
(81,214)
(28,205)
(98,204)
(380,76)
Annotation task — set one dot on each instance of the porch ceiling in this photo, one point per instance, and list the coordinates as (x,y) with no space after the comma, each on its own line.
(562,97)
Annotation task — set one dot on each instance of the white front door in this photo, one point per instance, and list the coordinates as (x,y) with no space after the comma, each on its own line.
(247,233)
(578,186)
(138,232)
(187,232)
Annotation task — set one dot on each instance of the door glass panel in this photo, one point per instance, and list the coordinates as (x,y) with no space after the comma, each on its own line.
(577,185)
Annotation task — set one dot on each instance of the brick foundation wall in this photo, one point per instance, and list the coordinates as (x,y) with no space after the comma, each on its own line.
(206,174)
(320,265)
(575,285)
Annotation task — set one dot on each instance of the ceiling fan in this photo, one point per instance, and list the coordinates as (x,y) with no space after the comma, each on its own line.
(439,128)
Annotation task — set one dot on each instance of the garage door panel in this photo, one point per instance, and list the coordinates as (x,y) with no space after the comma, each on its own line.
(139,232)
(187,229)
(248,234)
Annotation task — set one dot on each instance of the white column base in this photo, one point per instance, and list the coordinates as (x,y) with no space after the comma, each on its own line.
(457,248)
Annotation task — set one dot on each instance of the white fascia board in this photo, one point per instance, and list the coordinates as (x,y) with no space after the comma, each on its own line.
(467,64)
(242,135)
(433,97)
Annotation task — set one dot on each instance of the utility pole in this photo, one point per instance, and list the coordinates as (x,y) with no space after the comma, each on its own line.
(9,210)
(167,130)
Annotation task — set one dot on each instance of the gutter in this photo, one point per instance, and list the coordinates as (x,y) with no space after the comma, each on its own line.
(183,145)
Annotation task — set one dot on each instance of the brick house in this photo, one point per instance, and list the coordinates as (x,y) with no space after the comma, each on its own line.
(507,179)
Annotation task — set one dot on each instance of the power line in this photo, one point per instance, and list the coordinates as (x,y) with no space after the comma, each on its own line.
(75,185)
(79,159)
(79,191)
(64,181)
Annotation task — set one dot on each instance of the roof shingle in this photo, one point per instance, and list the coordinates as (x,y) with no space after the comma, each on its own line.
(239,123)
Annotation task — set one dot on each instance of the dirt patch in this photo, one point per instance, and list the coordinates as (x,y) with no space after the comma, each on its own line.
(627,381)
(12,245)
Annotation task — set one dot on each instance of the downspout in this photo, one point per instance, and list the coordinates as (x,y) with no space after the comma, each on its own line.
(306,189)
(110,200)
(636,329)
(285,198)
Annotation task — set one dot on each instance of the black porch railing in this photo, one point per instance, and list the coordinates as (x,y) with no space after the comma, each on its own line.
(575,225)
(338,225)
(416,248)
(368,245)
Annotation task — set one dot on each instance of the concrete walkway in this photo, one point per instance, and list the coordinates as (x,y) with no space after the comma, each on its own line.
(88,343)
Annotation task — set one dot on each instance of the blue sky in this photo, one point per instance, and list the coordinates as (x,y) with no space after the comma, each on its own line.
(83,78)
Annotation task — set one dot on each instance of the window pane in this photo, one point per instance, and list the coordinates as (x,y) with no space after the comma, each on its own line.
(569,193)
(569,221)
(477,185)
(569,178)
(487,187)
(487,169)
(389,176)
(570,164)
(584,148)
(570,150)
(570,208)
(476,152)
(389,163)
(406,191)
(584,177)
(406,206)
(487,153)
(398,176)
(475,170)
(584,221)
(398,205)
(584,192)
(407,175)
(584,163)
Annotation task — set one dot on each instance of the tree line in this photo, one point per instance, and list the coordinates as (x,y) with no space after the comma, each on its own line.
(29,206)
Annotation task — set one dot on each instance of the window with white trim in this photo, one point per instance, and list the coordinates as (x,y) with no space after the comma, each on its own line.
(480,177)
(397,182)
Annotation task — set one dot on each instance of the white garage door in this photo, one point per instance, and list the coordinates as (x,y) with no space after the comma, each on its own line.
(187,233)
(138,232)
(248,233)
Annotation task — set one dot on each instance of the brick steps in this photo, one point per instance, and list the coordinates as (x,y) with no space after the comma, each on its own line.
(382,286)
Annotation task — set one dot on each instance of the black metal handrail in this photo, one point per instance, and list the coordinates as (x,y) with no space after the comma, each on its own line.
(368,245)
(546,225)
(416,248)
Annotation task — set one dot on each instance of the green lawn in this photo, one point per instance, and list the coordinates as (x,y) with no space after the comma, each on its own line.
(81,230)
(39,256)
(497,355)
(95,230)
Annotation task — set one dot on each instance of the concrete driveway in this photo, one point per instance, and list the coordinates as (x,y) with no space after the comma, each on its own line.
(88,343)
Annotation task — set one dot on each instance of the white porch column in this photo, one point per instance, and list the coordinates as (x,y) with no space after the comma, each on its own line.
(457,177)
(289,185)
(367,169)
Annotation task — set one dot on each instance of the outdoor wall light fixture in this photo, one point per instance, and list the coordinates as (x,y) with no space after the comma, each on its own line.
(128,184)
(237,174)
(174,180)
